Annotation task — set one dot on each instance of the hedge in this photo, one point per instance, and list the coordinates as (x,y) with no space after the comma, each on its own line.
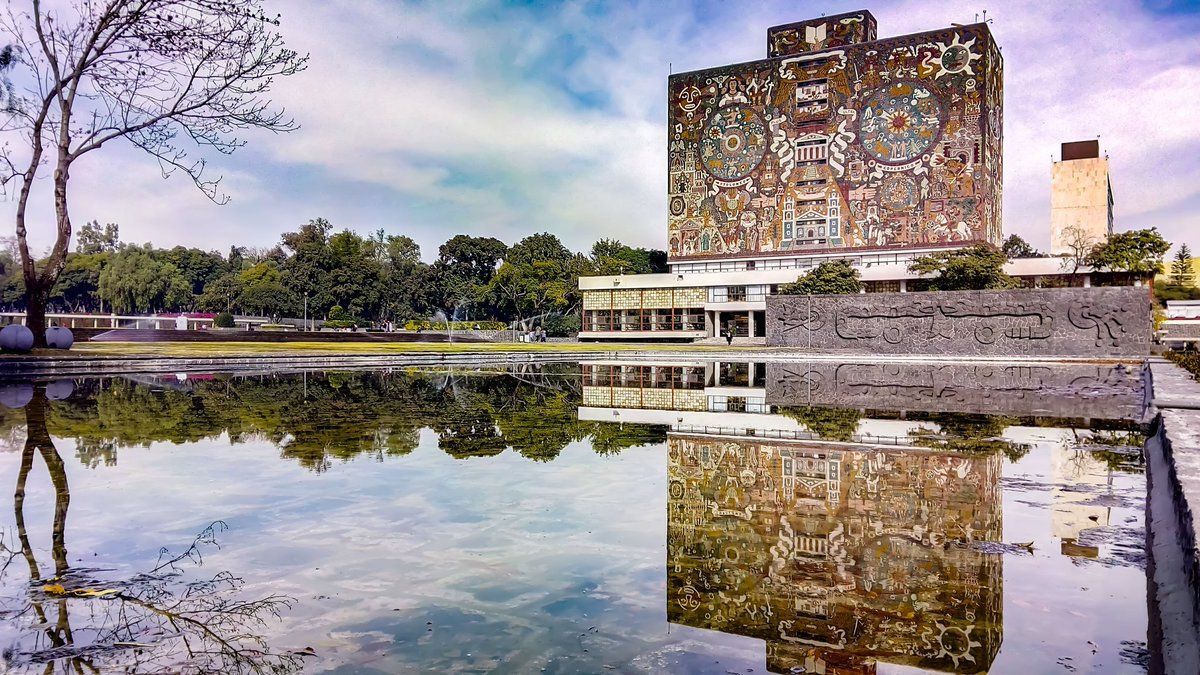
(456,325)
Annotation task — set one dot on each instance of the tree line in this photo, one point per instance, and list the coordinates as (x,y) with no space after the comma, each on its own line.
(532,410)
(375,278)
(1136,253)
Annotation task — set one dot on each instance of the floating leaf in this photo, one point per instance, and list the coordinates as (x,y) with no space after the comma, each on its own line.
(95,592)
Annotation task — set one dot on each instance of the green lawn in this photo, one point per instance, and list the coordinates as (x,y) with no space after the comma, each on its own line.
(236,349)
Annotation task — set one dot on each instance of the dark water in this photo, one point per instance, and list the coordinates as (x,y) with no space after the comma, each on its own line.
(607,517)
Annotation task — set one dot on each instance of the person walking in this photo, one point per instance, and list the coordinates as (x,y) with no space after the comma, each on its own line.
(729,335)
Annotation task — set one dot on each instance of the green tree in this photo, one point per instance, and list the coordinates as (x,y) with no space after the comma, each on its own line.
(831,424)
(1181,267)
(977,267)
(1135,251)
(267,298)
(609,257)
(134,281)
(12,282)
(463,269)
(406,283)
(197,266)
(836,277)
(93,238)
(1016,247)
(538,277)
(221,294)
(354,276)
(77,286)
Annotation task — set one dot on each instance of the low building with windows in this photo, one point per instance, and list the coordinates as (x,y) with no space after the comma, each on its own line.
(701,300)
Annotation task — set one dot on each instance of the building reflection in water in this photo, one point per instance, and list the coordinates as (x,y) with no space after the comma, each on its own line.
(836,556)
(841,514)
(839,555)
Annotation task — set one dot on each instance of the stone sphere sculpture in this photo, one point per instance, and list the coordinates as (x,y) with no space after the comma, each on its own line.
(16,395)
(58,337)
(60,390)
(16,338)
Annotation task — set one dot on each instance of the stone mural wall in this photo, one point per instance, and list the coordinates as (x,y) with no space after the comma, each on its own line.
(838,141)
(1085,322)
(1101,391)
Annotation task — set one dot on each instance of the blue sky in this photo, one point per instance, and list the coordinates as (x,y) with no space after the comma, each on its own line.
(504,119)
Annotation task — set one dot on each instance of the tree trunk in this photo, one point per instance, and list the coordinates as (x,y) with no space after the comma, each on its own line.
(35,310)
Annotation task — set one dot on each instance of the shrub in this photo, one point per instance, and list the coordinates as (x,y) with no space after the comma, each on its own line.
(836,277)
(1189,361)
(223,320)
(413,325)
(339,324)
(562,325)
(339,313)
(975,268)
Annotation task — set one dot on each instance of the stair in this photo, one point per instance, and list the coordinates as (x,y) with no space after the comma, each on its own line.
(737,341)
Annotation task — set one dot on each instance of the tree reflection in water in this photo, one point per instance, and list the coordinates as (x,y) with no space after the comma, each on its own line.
(77,619)
(319,418)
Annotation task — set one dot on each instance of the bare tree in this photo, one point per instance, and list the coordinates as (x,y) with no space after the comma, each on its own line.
(166,619)
(1079,243)
(167,76)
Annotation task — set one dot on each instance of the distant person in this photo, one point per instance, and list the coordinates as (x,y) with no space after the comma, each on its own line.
(541,335)
(729,336)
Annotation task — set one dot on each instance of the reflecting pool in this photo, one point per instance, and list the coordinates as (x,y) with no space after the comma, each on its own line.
(608,516)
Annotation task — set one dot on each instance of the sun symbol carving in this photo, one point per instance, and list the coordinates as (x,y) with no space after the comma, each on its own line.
(956,643)
(900,122)
(956,57)
(733,143)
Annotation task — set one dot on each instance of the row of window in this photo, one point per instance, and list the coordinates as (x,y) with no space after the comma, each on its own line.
(645,377)
(689,319)
(726,374)
(740,293)
(790,263)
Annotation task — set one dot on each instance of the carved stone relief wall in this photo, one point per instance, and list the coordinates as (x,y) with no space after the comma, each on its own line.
(1097,391)
(1088,322)
(837,557)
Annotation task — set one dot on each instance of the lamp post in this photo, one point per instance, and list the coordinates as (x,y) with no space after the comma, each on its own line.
(306,310)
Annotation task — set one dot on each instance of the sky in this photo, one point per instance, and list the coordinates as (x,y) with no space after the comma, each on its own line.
(506,119)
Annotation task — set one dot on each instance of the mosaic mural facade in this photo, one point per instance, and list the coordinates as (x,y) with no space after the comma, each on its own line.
(837,557)
(838,141)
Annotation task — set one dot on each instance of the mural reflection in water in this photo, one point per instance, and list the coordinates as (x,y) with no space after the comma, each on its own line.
(837,556)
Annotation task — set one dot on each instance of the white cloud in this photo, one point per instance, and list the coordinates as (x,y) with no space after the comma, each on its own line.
(438,119)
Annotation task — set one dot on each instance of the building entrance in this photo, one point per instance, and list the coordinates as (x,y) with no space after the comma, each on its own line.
(739,322)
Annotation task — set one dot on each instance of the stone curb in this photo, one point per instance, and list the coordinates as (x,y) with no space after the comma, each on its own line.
(1173,502)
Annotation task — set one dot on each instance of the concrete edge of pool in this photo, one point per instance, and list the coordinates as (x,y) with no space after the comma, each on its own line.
(13,366)
(1172,504)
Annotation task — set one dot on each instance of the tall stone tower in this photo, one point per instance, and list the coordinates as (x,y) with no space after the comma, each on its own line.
(1081,203)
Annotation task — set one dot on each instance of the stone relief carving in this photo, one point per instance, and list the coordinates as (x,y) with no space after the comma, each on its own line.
(1059,322)
(1060,390)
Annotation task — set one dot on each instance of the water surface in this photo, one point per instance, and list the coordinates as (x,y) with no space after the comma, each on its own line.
(673,517)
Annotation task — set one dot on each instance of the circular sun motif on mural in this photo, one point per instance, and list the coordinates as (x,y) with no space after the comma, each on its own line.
(900,122)
(733,142)
(955,58)
(898,192)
